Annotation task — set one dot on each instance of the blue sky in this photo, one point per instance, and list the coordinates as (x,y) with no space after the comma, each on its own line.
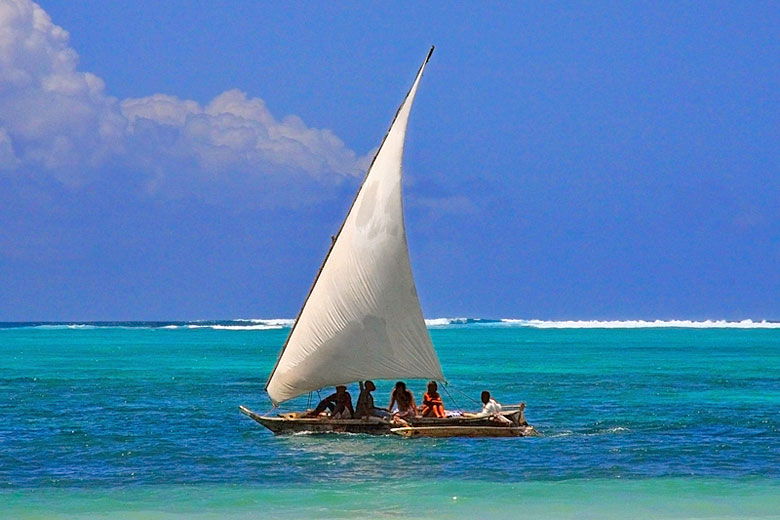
(188,160)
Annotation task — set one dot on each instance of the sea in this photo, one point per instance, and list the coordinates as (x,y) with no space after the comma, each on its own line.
(637,419)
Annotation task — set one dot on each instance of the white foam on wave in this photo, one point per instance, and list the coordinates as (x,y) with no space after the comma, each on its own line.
(437,322)
(281,322)
(235,327)
(245,324)
(643,324)
(66,326)
(443,322)
(276,322)
(562,433)
(607,431)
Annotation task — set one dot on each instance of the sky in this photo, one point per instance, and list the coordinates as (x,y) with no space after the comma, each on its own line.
(187,160)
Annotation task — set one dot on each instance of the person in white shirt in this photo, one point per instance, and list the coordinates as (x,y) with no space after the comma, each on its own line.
(491,408)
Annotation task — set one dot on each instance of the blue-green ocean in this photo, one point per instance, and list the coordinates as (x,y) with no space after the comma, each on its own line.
(140,420)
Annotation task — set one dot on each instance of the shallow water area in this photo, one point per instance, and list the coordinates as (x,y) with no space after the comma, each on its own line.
(647,498)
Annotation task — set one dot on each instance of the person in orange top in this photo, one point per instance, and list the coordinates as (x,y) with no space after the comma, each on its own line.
(432,405)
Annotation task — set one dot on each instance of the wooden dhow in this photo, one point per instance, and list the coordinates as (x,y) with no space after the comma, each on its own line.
(460,426)
(361,319)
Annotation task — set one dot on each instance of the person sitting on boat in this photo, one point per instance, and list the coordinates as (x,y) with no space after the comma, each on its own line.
(365,403)
(339,404)
(404,399)
(432,405)
(491,408)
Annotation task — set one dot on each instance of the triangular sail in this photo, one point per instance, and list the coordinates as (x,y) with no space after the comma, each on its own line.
(362,318)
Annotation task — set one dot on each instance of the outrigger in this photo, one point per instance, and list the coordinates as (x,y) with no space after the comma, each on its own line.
(362,319)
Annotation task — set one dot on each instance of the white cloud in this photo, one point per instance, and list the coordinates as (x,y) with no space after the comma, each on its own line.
(237,133)
(56,119)
(53,116)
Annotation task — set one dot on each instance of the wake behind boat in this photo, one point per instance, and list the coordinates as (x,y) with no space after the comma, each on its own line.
(362,318)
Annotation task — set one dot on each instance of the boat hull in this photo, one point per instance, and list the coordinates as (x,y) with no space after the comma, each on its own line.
(464,431)
(288,424)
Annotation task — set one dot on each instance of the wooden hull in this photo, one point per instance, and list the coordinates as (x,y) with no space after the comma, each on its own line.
(290,423)
(464,431)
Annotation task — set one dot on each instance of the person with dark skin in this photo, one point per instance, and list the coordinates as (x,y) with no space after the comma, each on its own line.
(490,408)
(338,404)
(404,398)
(432,405)
(365,404)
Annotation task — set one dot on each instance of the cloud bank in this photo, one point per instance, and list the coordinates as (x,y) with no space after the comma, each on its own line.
(60,122)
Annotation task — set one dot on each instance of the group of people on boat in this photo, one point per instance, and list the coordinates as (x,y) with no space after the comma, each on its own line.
(402,405)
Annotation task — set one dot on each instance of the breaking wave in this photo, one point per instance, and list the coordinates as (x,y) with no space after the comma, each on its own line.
(432,323)
(643,324)
(444,322)
(235,327)
(66,326)
(240,324)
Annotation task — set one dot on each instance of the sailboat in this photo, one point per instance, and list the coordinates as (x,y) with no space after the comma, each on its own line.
(362,319)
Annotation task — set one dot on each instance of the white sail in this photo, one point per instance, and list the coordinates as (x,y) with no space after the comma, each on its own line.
(362,318)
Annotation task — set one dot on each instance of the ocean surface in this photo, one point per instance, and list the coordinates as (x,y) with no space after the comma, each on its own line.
(637,420)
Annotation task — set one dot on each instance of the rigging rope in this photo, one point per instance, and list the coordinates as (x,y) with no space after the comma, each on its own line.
(457,406)
(478,403)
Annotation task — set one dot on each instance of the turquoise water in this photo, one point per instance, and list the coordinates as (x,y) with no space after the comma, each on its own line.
(141,421)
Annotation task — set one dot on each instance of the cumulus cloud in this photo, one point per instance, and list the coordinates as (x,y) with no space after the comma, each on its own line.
(58,120)
(234,132)
(51,116)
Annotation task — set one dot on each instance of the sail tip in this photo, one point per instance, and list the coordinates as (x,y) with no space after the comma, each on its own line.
(430,52)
